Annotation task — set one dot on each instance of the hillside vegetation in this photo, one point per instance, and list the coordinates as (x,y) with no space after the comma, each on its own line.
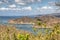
(45,20)
(11,33)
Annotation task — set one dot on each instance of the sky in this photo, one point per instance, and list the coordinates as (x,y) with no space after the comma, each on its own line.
(27,7)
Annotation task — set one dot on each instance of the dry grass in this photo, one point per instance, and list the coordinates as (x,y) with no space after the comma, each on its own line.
(11,33)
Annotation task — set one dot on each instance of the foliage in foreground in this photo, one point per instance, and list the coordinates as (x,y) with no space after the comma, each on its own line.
(10,33)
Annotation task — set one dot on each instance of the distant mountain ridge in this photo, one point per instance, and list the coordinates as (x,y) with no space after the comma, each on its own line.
(55,14)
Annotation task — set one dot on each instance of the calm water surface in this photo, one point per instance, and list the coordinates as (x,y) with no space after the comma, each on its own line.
(25,27)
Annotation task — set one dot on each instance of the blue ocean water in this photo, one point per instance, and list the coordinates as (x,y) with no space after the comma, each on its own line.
(5,19)
(26,27)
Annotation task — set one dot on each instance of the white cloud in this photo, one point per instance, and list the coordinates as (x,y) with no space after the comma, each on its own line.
(39,0)
(22,3)
(26,1)
(3,8)
(21,9)
(12,6)
(46,7)
(1,2)
(27,8)
(6,9)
